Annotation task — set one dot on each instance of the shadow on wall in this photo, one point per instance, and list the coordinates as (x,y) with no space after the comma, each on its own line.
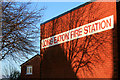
(55,64)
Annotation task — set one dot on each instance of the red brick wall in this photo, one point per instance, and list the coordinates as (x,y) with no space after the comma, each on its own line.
(67,60)
(35,63)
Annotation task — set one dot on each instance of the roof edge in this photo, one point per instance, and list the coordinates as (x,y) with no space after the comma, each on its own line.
(29,59)
(86,3)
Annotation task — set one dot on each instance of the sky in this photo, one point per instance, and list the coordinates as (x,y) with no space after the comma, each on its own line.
(52,9)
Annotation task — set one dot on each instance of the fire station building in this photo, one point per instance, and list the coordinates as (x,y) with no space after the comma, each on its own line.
(80,43)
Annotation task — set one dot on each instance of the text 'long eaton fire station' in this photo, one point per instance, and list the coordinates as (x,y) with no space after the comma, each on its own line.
(82,31)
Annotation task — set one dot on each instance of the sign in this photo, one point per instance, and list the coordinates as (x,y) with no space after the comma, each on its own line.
(82,31)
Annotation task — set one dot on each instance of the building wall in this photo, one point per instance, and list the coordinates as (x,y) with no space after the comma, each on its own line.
(71,59)
(35,63)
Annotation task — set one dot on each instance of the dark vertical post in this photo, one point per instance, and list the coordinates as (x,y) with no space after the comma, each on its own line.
(116,59)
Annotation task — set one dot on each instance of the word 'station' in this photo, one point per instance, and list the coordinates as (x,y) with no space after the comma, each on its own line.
(85,30)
